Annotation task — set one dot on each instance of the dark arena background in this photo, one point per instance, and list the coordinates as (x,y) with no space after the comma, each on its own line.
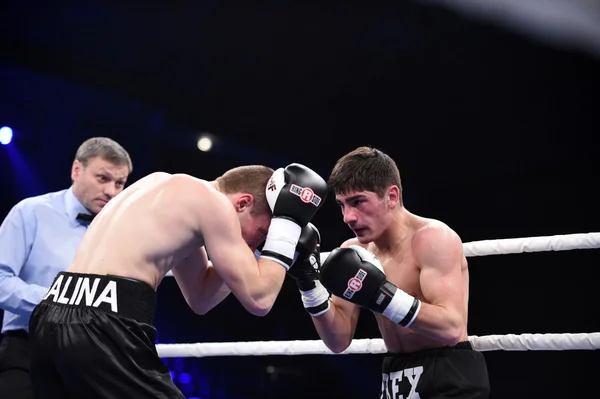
(490,110)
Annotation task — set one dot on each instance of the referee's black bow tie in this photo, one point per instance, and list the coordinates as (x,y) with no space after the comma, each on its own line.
(85,217)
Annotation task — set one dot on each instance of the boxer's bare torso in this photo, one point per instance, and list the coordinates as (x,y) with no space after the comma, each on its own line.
(146,230)
(402,269)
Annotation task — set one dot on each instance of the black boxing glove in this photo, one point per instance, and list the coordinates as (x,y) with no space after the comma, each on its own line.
(356,275)
(295,194)
(305,270)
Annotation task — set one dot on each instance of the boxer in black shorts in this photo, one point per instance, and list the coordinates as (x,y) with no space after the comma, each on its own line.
(93,337)
(409,270)
(89,325)
(448,372)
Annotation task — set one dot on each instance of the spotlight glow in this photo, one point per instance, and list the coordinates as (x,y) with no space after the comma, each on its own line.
(6,135)
(204,144)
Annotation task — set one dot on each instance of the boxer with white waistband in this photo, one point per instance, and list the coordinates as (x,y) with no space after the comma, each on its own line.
(93,336)
(410,271)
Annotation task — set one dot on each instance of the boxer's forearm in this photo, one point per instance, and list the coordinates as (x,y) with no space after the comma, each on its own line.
(336,327)
(439,323)
(212,292)
(255,285)
(260,290)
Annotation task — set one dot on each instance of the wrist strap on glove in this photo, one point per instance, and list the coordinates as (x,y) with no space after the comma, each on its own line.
(316,301)
(402,308)
(281,241)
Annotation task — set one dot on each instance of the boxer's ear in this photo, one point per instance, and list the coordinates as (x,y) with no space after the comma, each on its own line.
(243,201)
(394,196)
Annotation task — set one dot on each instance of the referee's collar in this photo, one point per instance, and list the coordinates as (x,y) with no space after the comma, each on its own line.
(73,206)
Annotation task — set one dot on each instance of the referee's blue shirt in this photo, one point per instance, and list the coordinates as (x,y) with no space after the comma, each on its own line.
(38,239)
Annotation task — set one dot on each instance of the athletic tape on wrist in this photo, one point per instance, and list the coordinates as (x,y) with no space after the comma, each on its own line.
(402,309)
(316,301)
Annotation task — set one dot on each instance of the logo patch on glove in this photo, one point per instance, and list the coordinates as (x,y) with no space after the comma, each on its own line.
(313,262)
(306,194)
(355,284)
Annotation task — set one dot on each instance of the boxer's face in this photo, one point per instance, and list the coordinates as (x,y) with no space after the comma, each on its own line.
(255,228)
(365,213)
(98,182)
(255,225)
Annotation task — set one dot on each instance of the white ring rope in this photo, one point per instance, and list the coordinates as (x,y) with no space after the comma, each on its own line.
(507,246)
(509,342)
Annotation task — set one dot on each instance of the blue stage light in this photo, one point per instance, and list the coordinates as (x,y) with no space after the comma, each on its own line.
(178,364)
(185,378)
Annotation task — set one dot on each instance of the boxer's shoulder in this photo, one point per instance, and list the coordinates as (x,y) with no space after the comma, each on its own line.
(183,180)
(181,184)
(432,229)
(201,196)
(351,241)
(435,235)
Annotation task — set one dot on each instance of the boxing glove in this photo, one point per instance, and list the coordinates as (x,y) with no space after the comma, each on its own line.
(305,270)
(356,275)
(295,194)
(308,245)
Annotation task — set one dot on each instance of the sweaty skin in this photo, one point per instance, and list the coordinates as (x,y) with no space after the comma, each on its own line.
(403,270)
(424,258)
(164,222)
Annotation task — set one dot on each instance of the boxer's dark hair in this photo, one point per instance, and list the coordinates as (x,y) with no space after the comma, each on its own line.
(104,148)
(364,169)
(251,179)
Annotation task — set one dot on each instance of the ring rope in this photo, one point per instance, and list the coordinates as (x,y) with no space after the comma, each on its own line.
(505,246)
(510,342)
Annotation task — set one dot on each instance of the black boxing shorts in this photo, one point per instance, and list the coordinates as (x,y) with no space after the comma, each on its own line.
(92,337)
(448,372)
